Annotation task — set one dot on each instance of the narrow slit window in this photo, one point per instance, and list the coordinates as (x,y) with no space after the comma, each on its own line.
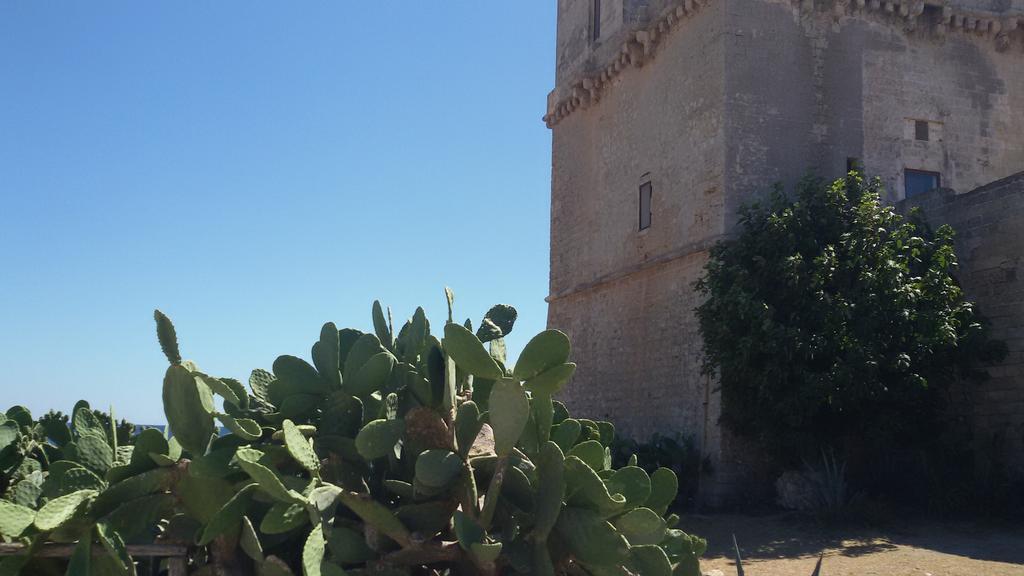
(917,182)
(595,11)
(921,131)
(645,205)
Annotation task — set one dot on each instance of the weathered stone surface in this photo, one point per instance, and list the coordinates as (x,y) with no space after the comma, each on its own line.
(712,101)
(990,246)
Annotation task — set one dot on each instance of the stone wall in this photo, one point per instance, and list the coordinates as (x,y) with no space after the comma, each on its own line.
(713,101)
(989,223)
(853,85)
(623,295)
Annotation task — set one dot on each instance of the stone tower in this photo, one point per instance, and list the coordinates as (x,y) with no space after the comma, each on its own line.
(667,115)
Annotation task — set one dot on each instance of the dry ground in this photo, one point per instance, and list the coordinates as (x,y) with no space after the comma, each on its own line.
(782,545)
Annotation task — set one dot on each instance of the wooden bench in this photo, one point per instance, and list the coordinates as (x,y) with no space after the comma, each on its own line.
(177,556)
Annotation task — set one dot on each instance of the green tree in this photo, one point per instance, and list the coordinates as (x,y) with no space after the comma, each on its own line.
(833,320)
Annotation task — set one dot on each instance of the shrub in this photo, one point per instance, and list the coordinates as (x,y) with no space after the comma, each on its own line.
(831,320)
(678,453)
(393,453)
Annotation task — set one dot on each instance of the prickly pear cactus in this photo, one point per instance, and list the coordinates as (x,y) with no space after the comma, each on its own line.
(393,451)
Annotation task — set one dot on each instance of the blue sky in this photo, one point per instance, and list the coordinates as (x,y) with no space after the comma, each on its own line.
(255,169)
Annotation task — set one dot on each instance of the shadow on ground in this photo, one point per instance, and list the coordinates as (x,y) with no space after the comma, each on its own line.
(786,536)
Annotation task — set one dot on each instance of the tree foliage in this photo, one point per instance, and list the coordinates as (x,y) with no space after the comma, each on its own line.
(833,319)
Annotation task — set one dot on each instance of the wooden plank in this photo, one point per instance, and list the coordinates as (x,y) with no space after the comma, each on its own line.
(65,550)
(177,566)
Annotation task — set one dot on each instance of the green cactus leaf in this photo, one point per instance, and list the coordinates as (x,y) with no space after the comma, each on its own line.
(56,430)
(641,526)
(214,464)
(26,492)
(486,553)
(467,530)
(229,515)
(116,549)
(664,487)
(187,405)
(544,351)
(148,441)
(591,452)
(203,497)
(400,488)
(427,518)
(327,354)
(378,438)
(550,489)
(239,391)
(649,559)
(372,376)
(366,347)
(169,458)
(550,381)
(300,448)
(607,430)
(56,512)
(540,563)
(219,386)
(9,433)
(249,541)
(517,490)
(296,376)
(413,336)
(543,412)
(510,411)
(488,331)
(313,551)
(482,393)
(449,296)
(342,415)
(80,478)
(566,434)
(244,428)
(298,406)
(14,519)
(468,422)
(324,499)
(168,338)
(93,451)
(270,483)
(437,468)
(348,546)
(381,326)
(633,483)
(81,559)
(497,323)
(137,518)
(584,488)
(686,551)
(347,337)
(149,482)
(376,514)
(259,382)
(469,353)
(590,538)
(498,350)
(274,566)
(284,517)
(451,385)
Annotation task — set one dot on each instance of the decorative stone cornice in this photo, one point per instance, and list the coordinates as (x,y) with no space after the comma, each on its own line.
(640,45)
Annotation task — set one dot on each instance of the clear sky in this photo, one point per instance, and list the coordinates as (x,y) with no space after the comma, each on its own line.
(255,169)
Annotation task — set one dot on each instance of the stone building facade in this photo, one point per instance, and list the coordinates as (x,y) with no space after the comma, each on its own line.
(668,115)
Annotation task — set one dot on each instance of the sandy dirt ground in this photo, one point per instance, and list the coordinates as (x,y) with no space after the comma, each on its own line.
(783,545)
